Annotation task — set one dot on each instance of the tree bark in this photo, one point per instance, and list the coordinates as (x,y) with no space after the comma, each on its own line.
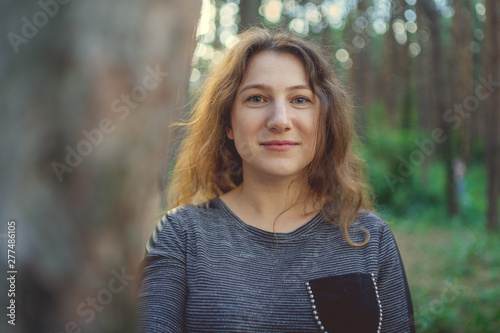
(423,79)
(463,67)
(393,58)
(359,73)
(249,14)
(442,101)
(86,102)
(493,114)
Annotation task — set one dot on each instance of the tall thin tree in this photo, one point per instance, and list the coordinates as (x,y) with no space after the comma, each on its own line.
(493,113)
(442,100)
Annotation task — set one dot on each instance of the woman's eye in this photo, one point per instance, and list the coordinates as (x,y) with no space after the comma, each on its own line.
(301,100)
(256,99)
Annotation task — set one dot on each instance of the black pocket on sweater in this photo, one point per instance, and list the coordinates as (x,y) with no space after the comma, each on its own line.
(346,303)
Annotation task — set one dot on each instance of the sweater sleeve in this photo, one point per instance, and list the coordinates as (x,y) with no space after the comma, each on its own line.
(162,293)
(397,308)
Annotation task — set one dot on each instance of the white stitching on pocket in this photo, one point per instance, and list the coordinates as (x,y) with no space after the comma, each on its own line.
(313,306)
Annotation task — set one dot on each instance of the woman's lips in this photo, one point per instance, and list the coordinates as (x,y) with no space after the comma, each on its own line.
(279,145)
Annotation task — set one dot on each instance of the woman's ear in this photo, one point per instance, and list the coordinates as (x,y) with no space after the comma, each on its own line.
(229,133)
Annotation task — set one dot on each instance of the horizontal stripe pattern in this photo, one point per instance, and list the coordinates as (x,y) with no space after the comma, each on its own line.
(207,271)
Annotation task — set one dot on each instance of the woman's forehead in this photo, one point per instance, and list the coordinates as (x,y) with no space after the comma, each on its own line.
(270,66)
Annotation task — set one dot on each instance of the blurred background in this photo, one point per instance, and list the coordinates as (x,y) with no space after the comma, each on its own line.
(89,88)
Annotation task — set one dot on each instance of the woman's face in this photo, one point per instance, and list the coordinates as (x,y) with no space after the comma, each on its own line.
(274,117)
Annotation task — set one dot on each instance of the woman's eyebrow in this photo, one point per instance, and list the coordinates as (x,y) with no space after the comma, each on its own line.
(255,86)
(267,87)
(300,86)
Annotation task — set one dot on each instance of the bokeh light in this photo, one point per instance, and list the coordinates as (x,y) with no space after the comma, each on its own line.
(414,49)
(195,75)
(380,26)
(399,29)
(272,10)
(480,9)
(410,15)
(342,55)
(207,16)
(411,27)
(299,26)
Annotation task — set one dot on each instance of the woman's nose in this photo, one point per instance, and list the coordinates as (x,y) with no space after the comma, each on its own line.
(279,119)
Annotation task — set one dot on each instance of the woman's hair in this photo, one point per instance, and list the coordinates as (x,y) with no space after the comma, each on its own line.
(208,164)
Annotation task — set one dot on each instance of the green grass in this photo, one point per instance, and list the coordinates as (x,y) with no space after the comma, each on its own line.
(452,264)
(454,276)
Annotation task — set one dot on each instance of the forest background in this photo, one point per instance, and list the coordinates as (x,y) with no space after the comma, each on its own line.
(89,89)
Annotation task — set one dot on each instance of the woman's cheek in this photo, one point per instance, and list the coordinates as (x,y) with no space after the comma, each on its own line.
(246,151)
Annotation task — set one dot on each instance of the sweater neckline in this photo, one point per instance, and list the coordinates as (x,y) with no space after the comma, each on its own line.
(263,234)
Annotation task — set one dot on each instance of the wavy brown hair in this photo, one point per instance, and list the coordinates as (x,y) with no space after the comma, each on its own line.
(208,164)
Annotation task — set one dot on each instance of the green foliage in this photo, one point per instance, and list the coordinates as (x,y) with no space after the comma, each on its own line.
(396,180)
(451,263)
(409,175)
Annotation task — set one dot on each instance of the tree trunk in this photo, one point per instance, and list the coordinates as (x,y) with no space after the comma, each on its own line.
(249,14)
(462,64)
(394,85)
(358,44)
(442,101)
(423,78)
(493,114)
(86,98)
(423,75)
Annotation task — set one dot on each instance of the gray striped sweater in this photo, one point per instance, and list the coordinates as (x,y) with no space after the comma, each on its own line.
(205,270)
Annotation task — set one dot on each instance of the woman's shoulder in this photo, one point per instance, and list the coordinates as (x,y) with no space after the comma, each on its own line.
(377,227)
(192,212)
(370,219)
(381,235)
(177,221)
(194,215)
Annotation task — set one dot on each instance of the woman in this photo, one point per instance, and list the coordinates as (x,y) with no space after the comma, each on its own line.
(273,230)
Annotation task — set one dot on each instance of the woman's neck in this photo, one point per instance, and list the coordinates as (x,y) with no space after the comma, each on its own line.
(271,205)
